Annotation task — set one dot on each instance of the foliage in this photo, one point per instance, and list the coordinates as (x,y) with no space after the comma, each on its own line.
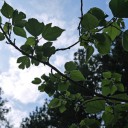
(3,111)
(95,32)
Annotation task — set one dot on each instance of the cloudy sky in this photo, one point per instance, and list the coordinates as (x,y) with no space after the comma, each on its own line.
(22,96)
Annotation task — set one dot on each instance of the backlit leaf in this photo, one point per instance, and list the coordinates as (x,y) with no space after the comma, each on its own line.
(125,40)
(55,103)
(89,22)
(103,43)
(76,75)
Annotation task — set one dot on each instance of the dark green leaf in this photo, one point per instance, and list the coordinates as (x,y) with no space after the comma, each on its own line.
(69,66)
(51,33)
(19,31)
(36,81)
(108,118)
(34,27)
(27,48)
(62,108)
(76,75)
(98,13)
(24,62)
(106,90)
(63,86)
(89,123)
(2,37)
(95,106)
(89,22)
(0,20)
(125,40)
(36,63)
(119,8)
(73,126)
(17,19)
(7,10)
(55,103)
(48,49)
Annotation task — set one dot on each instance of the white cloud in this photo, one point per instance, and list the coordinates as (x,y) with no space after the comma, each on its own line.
(15,115)
(17,84)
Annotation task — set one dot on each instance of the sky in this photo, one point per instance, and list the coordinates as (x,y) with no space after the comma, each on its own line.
(21,94)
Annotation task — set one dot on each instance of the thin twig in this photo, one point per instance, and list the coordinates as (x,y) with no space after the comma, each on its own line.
(62,49)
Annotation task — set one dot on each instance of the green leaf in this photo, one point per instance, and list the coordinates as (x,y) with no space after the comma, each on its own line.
(7,27)
(48,49)
(76,75)
(62,108)
(27,48)
(113,31)
(51,33)
(113,89)
(98,13)
(119,8)
(89,123)
(7,10)
(24,62)
(63,86)
(95,106)
(36,81)
(120,87)
(2,37)
(125,40)
(108,118)
(34,27)
(18,19)
(41,88)
(117,77)
(107,74)
(19,31)
(89,22)
(36,63)
(69,66)
(89,52)
(103,43)
(55,103)
(106,82)
(30,41)
(106,90)
(0,20)
(73,126)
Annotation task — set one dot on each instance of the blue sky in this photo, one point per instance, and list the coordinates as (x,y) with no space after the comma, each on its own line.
(22,96)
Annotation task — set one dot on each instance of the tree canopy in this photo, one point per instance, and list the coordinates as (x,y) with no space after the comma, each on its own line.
(98,87)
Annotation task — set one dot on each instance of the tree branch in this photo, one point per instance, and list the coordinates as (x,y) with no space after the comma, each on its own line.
(62,49)
(55,69)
